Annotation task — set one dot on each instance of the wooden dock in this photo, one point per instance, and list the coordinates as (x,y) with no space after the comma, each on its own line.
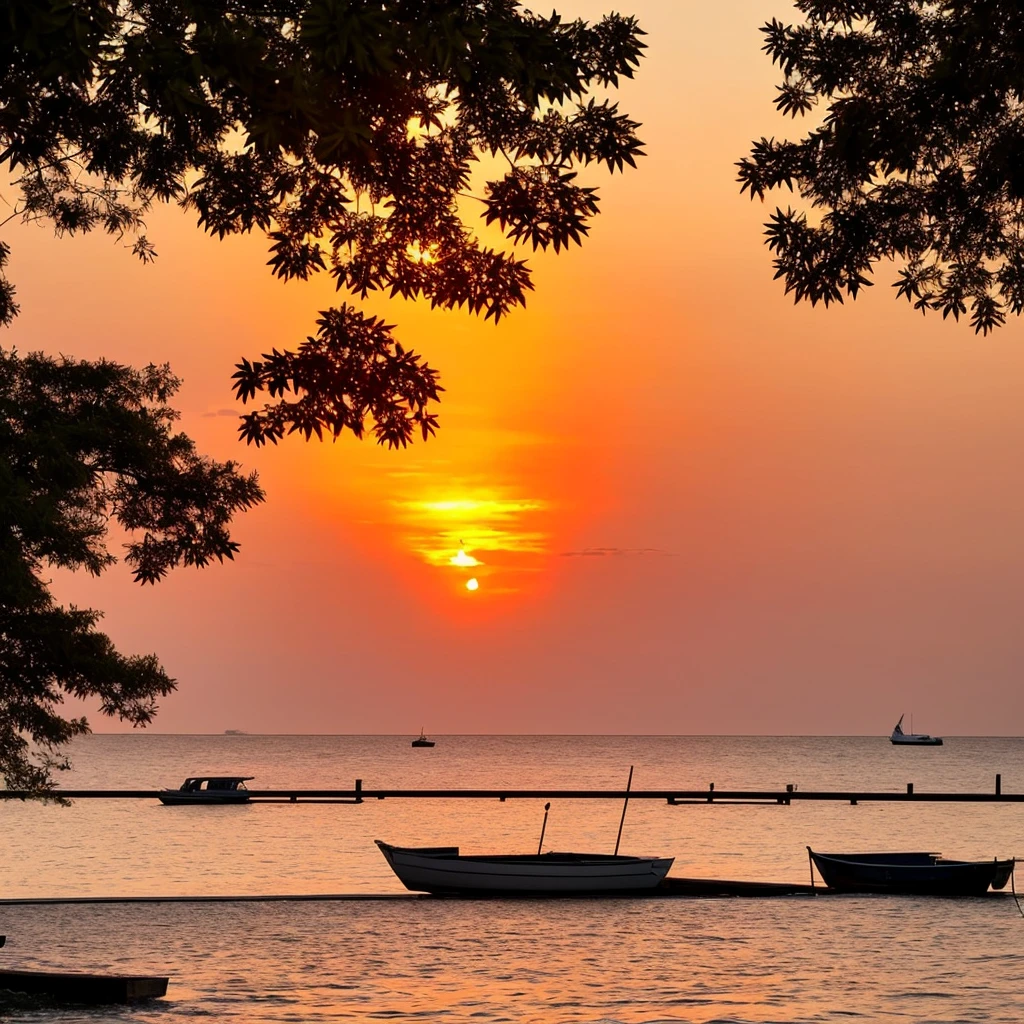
(786,796)
(670,888)
(675,888)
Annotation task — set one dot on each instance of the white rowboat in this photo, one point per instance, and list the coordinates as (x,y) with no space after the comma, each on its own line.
(442,871)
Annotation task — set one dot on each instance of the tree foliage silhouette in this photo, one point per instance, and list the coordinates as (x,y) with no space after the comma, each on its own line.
(82,444)
(919,156)
(347,131)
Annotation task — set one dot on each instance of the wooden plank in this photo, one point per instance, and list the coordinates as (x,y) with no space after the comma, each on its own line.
(680,887)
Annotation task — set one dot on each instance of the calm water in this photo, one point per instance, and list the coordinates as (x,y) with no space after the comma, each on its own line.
(792,960)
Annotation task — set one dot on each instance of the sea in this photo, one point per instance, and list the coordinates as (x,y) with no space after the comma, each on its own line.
(387,955)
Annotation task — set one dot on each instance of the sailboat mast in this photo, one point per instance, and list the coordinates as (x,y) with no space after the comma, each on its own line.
(625,804)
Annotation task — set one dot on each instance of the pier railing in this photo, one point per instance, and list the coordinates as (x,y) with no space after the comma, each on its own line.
(357,795)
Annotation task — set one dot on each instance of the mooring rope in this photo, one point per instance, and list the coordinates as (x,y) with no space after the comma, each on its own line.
(1013,888)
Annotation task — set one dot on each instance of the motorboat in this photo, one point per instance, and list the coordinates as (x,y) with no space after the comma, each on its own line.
(422,741)
(912,874)
(913,739)
(209,789)
(443,871)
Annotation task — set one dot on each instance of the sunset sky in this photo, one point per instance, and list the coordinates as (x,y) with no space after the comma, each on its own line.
(690,506)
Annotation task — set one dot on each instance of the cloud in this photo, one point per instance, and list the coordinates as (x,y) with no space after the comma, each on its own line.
(222,412)
(614,552)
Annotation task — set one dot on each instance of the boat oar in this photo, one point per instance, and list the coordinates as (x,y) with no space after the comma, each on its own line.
(625,804)
(544,825)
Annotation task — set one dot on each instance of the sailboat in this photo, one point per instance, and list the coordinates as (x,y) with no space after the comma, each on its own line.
(422,741)
(913,739)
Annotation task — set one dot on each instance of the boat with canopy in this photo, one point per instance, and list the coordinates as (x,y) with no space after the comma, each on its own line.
(209,789)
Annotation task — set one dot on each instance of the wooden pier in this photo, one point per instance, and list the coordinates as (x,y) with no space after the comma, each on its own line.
(786,796)
(672,887)
(682,888)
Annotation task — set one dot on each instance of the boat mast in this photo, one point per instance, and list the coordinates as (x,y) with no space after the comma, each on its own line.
(544,825)
(625,804)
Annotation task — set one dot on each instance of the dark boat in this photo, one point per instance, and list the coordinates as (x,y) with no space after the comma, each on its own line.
(911,874)
(422,741)
(442,871)
(92,989)
(209,789)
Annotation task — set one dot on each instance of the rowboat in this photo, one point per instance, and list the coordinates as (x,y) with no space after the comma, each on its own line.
(209,789)
(915,874)
(913,739)
(441,870)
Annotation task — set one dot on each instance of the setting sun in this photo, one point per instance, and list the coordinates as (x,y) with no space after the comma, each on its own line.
(463,560)
(489,527)
(472,584)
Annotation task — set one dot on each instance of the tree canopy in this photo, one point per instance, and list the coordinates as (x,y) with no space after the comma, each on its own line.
(83,444)
(348,132)
(918,156)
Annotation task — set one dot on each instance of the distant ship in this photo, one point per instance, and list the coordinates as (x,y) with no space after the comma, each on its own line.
(913,739)
(235,732)
(422,741)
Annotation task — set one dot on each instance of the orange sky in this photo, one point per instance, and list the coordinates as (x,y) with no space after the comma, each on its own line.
(697,508)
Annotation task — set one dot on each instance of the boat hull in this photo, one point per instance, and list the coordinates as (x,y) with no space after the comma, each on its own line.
(174,797)
(910,874)
(89,989)
(443,872)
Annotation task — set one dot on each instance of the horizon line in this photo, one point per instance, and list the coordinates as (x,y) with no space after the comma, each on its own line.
(557,735)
